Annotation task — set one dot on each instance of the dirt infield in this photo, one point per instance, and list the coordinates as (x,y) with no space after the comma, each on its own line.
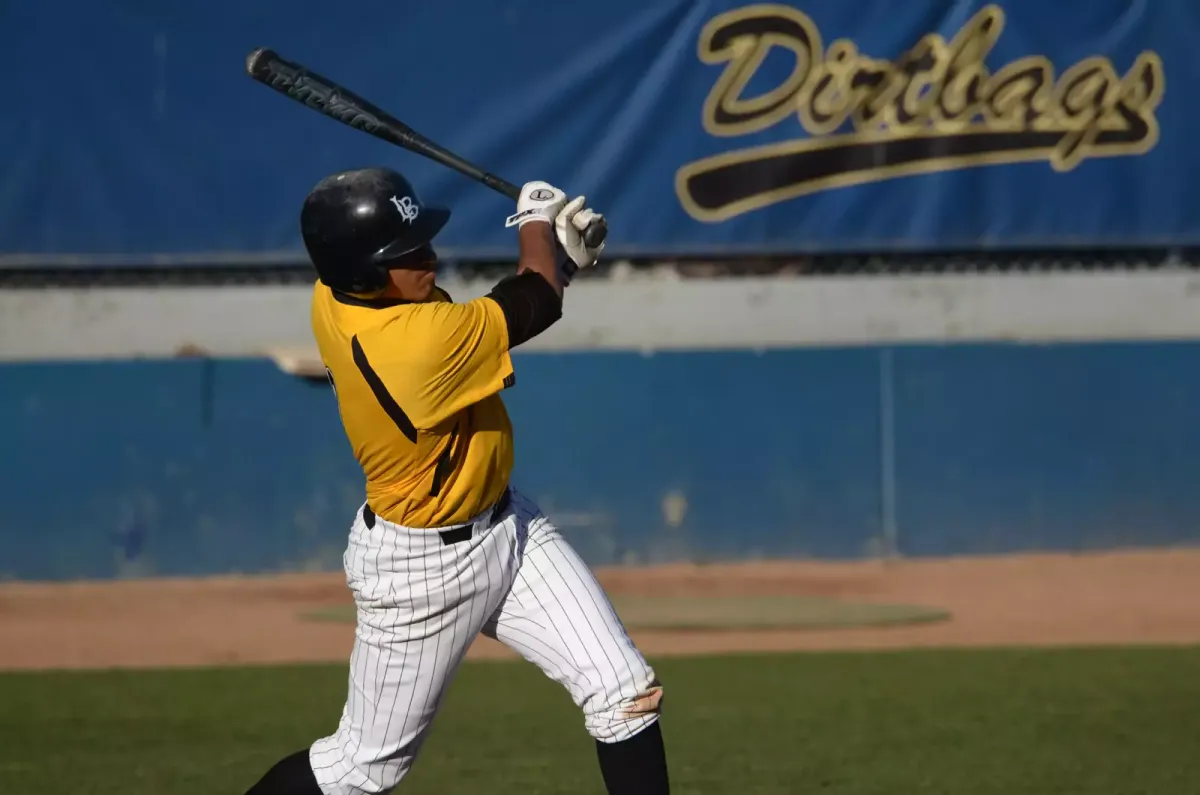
(1111,598)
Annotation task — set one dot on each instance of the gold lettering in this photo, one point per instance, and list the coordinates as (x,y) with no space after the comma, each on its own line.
(829,96)
(742,39)
(938,96)
(882,83)
(926,69)
(966,74)
(1085,97)
(1019,94)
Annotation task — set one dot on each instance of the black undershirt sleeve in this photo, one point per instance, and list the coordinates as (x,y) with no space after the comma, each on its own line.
(529,303)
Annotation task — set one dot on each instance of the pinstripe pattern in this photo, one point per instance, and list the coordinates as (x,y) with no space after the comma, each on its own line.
(557,616)
(420,605)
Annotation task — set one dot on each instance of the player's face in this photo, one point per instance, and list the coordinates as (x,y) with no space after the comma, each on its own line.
(414,275)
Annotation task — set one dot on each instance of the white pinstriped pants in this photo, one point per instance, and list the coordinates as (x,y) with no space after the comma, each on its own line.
(422,602)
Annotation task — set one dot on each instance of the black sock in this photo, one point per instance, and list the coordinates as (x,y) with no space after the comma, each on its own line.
(291,775)
(637,766)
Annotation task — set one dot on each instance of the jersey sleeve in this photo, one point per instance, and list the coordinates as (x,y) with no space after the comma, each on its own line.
(445,357)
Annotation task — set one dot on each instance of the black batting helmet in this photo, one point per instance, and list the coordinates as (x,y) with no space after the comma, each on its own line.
(358,223)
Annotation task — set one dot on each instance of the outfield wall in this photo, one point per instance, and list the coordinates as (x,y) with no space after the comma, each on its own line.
(206,465)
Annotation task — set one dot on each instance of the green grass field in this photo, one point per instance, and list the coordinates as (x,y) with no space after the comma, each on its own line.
(906,723)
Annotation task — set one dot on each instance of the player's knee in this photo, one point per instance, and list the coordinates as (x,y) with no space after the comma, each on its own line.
(619,717)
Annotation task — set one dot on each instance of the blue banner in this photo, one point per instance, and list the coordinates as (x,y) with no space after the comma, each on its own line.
(132,133)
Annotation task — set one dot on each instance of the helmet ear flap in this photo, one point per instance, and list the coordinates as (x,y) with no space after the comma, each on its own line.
(368,279)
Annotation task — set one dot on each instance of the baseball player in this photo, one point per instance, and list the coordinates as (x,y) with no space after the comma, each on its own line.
(444,547)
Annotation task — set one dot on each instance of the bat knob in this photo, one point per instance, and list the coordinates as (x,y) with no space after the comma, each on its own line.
(595,233)
(257,57)
(593,236)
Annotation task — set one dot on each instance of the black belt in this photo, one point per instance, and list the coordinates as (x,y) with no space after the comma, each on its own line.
(454,535)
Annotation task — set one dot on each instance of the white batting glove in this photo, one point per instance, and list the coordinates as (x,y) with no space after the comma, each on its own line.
(539,201)
(569,225)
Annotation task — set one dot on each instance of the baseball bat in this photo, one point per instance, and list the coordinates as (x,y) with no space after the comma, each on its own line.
(305,86)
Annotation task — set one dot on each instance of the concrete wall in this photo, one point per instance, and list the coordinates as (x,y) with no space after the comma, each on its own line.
(651,312)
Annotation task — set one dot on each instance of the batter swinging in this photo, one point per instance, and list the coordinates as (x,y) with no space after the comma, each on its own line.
(444,547)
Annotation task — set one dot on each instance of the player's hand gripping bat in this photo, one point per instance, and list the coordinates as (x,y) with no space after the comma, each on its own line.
(325,96)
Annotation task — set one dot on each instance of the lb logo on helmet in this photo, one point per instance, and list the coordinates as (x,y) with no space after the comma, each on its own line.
(407,208)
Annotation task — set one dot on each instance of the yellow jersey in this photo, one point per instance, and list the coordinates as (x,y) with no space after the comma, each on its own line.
(417,387)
